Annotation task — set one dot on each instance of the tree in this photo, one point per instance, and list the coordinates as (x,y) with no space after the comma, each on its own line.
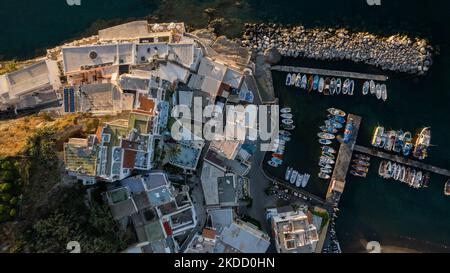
(12,213)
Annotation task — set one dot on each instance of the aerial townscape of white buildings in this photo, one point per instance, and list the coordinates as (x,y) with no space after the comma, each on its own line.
(140,71)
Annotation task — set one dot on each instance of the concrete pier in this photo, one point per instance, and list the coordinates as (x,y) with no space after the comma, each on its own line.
(402,160)
(343,161)
(330,73)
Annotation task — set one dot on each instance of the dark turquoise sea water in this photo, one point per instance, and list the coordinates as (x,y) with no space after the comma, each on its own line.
(371,209)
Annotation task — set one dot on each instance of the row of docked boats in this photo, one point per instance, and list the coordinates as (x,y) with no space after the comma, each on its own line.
(279,149)
(360,166)
(296,178)
(412,177)
(326,86)
(335,121)
(402,142)
(378,90)
(447,188)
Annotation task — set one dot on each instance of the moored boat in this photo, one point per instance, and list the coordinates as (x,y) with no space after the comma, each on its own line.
(287,121)
(358,173)
(328,150)
(338,86)
(351,87)
(324,176)
(288,79)
(327,129)
(366,88)
(345,87)
(327,171)
(273,164)
(372,87)
(326,88)
(294,177)
(298,181)
(326,136)
(361,162)
(287,116)
(325,141)
(288,126)
(384,95)
(333,86)
(304,82)
(298,80)
(305,181)
(321,85)
(288,173)
(285,133)
(310,83)
(378,91)
(286,110)
(336,118)
(408,146)
(316,82)
(334,124)
(423,142)
(336,112)
(447,188)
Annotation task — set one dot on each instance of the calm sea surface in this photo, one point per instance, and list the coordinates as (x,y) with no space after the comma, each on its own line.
(371,209)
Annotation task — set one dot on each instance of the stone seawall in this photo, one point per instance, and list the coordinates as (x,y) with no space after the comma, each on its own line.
(398,53)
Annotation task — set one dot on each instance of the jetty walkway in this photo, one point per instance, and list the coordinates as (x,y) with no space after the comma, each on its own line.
(402,160)
(343,160)
(330,73)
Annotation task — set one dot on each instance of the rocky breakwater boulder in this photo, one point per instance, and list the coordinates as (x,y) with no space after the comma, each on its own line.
(395,53)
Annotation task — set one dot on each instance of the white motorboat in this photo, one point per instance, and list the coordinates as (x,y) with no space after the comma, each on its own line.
(288,174)
(384,95)
(305,181)
(298,182)
(294,177)
(286,110)
(287,121)
(321,85)
(287,115)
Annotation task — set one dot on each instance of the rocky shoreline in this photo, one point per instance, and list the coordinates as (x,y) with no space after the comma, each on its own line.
(398,53)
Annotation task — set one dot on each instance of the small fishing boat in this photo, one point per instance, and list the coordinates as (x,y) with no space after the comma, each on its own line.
(382,169)
(288,173)
(345,87)
(287,115)
(399,142)
(321,85)
(336,112)
(338,86)
(305,180)
(423,142)
(326,89)
(392,135)
(378,91)
(285,133)
(328,150)
(327,171)
(351,87)
(310,83)
(324,176)
(277,160)
(372,86)
(366,88)
(316,82)
(326,136)
(325,141)
(277,155)
(287,121)
(304,82)
(377,136)
(285,138)
(384,92)
(333,86)
(286,110)
(298,80)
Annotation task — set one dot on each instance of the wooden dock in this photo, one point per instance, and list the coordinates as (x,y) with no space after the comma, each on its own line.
(343,161)
(402,160)
(330,73)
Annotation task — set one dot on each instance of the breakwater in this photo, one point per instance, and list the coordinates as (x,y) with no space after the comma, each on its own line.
(399,53)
